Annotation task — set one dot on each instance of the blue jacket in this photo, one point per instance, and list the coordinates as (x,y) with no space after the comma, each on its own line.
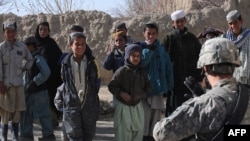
(159,67)
(114,60)
(37,102)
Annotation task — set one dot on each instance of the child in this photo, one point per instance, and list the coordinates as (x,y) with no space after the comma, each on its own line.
(159,67)
(52,54)
(129,85)
(12,101)
(36,93)
(115,58)
(121,26)
(78,28)
(78,97)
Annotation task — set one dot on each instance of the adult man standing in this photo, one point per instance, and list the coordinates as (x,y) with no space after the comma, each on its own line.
(183,48)
(241,38)
(206,115)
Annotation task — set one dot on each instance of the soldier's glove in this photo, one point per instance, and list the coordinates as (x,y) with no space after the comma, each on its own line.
(31,87)
(193,86)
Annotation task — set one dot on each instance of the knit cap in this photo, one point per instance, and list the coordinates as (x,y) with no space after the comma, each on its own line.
(120,25)
(77,28)
(130,49)
(9,25)
(233,15)
(30,40)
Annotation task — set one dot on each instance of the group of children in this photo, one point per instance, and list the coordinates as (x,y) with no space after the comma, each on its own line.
(142,74)
(34,70)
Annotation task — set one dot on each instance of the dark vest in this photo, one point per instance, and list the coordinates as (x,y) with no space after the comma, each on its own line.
(34,71)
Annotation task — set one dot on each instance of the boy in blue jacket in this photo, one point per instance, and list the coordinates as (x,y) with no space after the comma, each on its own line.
(36,96)
(160,74)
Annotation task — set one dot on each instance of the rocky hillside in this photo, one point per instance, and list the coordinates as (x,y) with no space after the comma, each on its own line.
(98,25)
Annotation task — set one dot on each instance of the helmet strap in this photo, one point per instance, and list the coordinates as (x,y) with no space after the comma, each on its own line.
(208,86)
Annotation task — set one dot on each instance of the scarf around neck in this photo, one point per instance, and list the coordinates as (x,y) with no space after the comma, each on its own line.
(240,39)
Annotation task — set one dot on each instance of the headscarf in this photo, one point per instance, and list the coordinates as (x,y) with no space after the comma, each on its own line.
(130,49)
(38,37)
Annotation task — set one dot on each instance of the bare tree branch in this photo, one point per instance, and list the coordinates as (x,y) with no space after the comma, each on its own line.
(7,5)
(147,7)
(51,6)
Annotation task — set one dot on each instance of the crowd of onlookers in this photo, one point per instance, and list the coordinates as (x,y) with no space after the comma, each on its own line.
(39,81)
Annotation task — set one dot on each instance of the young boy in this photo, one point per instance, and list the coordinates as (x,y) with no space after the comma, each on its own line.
(121,26)
(160,74)
(78,97)
(12,101)
(129,85)
(115,59)
(36,93)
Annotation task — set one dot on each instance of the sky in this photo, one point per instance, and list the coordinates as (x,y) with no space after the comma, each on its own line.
(99,5)
(102,5)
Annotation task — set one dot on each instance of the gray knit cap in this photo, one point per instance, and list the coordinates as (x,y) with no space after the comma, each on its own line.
(233,15)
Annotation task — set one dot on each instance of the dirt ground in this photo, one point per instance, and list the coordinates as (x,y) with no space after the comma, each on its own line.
(105,125)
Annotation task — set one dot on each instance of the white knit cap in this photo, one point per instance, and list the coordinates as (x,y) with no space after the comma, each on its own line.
(233,15)
(177,15)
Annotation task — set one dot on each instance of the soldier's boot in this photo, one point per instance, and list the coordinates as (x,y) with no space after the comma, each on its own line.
(4,132)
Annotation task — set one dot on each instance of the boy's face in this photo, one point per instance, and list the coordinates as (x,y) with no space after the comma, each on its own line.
(235,26)
(135,57)
(78,47)
(150,35)
(43,31)
(179,23)
(10,34)
(120,42)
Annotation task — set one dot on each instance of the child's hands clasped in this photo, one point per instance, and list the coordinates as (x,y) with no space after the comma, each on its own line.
(125,96)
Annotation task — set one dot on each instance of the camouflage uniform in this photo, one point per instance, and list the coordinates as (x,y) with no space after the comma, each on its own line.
(205,115)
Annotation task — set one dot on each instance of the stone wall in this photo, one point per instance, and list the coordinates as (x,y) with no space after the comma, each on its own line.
(98,25)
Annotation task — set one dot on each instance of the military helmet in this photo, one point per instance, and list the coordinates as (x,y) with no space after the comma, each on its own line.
(221,53)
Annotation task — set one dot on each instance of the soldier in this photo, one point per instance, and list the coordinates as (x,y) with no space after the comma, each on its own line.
(204,116)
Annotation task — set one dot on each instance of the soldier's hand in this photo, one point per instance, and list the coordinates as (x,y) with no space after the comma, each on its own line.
(193,86)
